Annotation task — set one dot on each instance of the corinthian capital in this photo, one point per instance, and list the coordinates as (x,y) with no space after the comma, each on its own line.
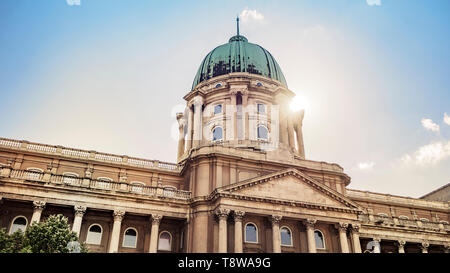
(118,215)
(356,228)
(275,219)
(222,213)
(425,245)
(309,223)
(341,226)
(79,211)
(156,219)
(38,205)
(238,215)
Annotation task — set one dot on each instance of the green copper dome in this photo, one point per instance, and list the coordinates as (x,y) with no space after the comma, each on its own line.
(238,55)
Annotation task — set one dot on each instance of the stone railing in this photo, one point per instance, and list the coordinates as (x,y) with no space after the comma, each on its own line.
(94,184)
(87,155)
(400,222)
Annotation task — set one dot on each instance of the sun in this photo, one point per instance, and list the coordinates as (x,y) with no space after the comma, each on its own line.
(298,103)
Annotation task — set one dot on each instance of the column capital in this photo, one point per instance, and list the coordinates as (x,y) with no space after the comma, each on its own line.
(401,243)
(118,215)
(424,245)
(156,219)
(238,215)
(447,248)
(79,211)
(222,213)
(356,228)
(376,239)
(275,219)
(309,223)
(39,205)
(341,226)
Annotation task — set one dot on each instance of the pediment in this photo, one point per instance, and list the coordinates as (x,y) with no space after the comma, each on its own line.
(290,185)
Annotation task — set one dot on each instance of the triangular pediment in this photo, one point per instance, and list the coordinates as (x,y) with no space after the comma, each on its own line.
(290,185)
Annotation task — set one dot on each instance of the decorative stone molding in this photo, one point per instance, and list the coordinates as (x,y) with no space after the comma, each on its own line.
(238,215)
(356,228)
(275,219)
(156,219)
(309,223)
(341,226)
(79,211)
(118,215)
(424,245)
(401,243)
(222,213)
(39,205)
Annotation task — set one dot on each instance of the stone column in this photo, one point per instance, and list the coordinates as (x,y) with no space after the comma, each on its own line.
(79,212)
(377,247)
(238,215)
(115,234)
(309,223)
(246,114)
(355,238)
(276,240)
(156,220)
(447,248)
(38,207)
(342,228)
(284,138)
(222,214)
(181,125)
(290,124)
(190,122)
(424,246)
(198,126)
(299,132)
(401,246)
(234,115)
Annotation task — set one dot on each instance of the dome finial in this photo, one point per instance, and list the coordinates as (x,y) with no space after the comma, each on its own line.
(237,23)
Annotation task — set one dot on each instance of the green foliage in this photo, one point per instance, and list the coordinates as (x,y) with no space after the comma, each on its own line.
(51,236)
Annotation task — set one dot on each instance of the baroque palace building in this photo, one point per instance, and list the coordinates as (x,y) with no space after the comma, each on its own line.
(241,182)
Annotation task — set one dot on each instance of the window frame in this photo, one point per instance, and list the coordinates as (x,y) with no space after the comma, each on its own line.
(212,133)
(124,234)
(257,132)
(170,240)
(12,223)
(245,233)
(323,239)
(101,234)
(292,237)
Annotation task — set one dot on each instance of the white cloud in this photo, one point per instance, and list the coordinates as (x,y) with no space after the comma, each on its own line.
(430,125)
(373,2)
(429,154)
(446,119)
(366,166)
(248,15)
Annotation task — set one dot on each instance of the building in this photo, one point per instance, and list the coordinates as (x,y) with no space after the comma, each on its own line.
(242,182)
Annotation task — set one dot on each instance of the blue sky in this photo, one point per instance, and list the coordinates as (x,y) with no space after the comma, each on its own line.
(109,75)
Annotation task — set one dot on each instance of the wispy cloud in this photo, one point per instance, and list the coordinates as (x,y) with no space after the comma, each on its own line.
(429,154)
(430,125)
(365,166)
(446,119)
(373,2)
(250,15)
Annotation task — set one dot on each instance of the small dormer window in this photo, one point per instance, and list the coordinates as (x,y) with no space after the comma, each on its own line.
(218,85)
(217,109)
(259,84)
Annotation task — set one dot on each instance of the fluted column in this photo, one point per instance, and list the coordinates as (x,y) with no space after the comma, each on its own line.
(238,216)
(222,214)
(401,246)
(181,125)
(342,228)
(276,240)
(424,246)
(156,220)
(38,207)
(115,234)
(355,238)
(79,213)
(309,223)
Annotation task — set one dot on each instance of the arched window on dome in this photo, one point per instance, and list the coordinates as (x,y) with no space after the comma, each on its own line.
(251,233)
(263,133)
(217,134)
(18,223)
(286,236)
(94,236)
(165,241)
(320,239)
(130,238)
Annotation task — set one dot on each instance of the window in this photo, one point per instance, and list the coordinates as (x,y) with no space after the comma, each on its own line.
(217,134)
(320,242)
(218,85)
(261,108)
(19,223)
(103,182)
(263,132)
(137,187)
(94,236)
(217,109)
(286,236)
(34,173)
(259,84)
(165,241)
(251,233)
(130,238)
(69,178)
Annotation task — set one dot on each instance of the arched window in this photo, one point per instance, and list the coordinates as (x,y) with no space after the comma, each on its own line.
(69,178)
(34,173)
(130,238)
(94,236)
(104,182)
(320,240)
(18,223)
(259,84)
(263,133)
(165,241)
(286,236)
(251,233)
(217,133)
(218,85)
(136,187)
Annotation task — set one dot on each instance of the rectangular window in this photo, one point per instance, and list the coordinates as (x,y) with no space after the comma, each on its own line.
(217,109)
(261,108)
